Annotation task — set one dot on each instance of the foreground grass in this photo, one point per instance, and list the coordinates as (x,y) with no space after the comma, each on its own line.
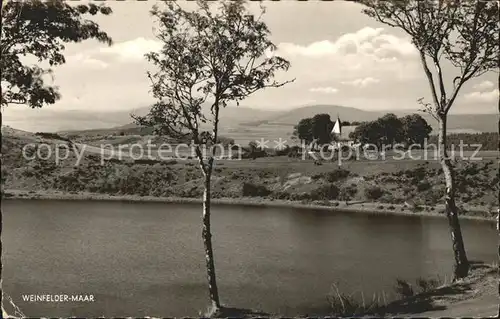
(482,280)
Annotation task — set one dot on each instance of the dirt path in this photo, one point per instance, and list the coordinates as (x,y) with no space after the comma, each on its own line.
(475,297)
(483,306)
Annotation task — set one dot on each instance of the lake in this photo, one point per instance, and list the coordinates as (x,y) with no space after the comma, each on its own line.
(141,259)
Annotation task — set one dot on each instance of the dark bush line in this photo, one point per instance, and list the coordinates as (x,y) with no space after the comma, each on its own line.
(52,136)
(254,190)
(488,140)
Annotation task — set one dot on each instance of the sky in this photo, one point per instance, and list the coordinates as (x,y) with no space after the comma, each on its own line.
(338,56)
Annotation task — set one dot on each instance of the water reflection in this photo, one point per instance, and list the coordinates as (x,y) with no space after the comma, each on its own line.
(147,259)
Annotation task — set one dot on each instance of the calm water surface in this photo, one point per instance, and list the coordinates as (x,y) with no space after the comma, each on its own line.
(141,259)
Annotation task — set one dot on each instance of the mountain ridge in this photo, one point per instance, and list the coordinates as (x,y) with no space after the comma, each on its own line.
(232,117)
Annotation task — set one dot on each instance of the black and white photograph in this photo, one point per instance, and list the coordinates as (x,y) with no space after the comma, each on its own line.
(250,159)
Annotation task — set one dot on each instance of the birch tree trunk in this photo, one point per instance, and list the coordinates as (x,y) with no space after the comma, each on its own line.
(1,182)
(207,243)
(461,267)
(498,209)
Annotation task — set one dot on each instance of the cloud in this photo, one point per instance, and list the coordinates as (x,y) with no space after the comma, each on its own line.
(368,52)
(103,57)
(325,90)
(483,97)
(366,41)
(133,50)
(485,85)
(316,49)
(363,82)
(85,60)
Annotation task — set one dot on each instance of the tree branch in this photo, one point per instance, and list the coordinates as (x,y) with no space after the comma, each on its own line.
(441,81)
(430,80)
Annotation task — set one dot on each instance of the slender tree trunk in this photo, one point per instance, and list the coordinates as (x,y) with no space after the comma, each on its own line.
(461,267)
(207,242)
(498,210)
(1,195)
(1,163)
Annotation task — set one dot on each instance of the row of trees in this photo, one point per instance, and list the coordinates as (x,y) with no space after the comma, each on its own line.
(218,56)
(353,123)
(389,129)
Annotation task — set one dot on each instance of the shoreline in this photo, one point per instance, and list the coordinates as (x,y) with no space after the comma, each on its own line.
(372,208)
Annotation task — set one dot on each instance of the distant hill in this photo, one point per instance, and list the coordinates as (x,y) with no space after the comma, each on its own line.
(232,117)
(471,123)
(467,123)
(292,117)
(50,120)
(8,131)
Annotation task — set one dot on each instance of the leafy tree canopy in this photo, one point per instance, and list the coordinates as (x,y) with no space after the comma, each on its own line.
(390,129)
(322,127)
(317,128)
(303,130)
(463,32)
(415,129)
(40,29)
(209,58)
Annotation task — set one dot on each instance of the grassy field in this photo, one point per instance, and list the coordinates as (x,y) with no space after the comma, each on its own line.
(241,134)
